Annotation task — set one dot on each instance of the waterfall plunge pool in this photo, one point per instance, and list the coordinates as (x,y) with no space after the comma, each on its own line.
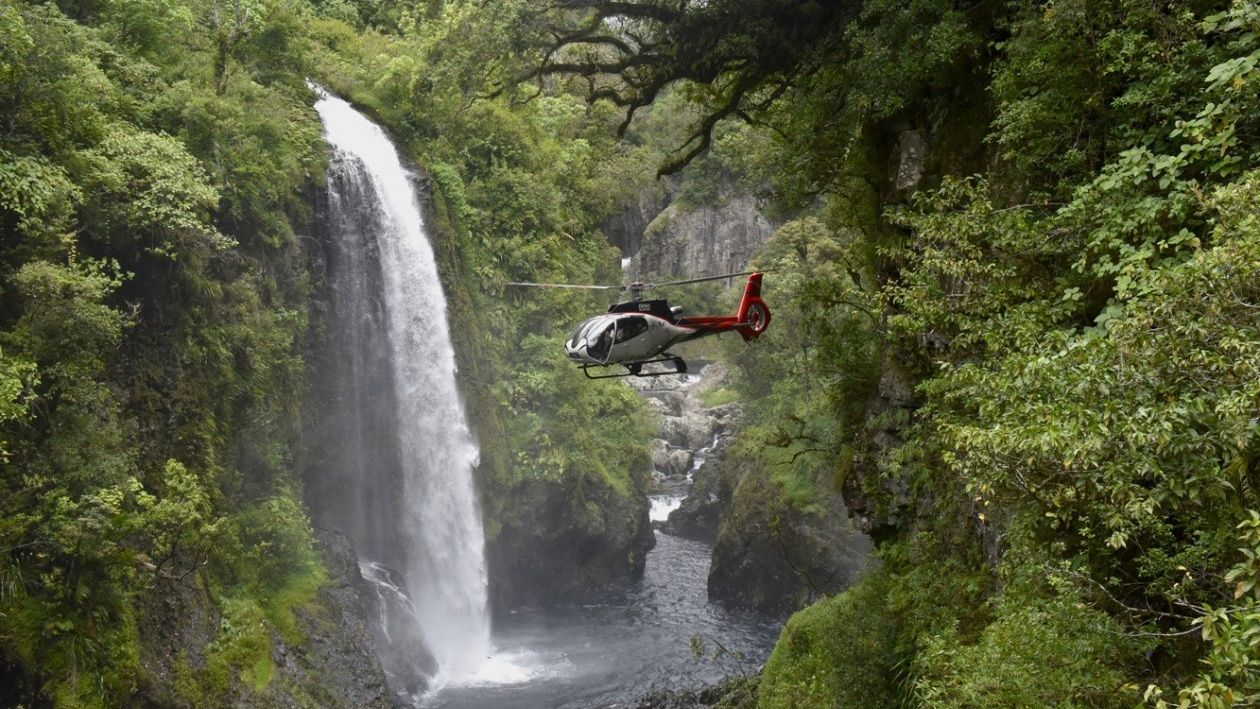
(612,653)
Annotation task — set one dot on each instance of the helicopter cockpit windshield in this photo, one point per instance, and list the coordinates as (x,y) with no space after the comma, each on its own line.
(599,345)
(579,332)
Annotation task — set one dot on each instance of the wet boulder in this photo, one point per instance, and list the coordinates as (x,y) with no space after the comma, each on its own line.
(693,431)
(396,631)
(659,449)
(776,553)
(701,510)
(329,662)
(680,462)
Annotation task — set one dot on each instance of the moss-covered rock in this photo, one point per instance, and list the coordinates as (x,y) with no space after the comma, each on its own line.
(202,650)
(734,693)
(561,542)
(774,554)
(837,653)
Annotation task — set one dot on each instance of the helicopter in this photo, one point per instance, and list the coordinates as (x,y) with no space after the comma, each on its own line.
(639,332)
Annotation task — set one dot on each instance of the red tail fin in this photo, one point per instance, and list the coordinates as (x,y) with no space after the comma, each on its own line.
(753,314)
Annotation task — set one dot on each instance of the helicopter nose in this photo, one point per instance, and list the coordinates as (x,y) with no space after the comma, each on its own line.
(576,350)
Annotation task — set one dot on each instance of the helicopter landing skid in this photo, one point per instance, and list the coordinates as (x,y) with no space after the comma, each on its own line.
(635,369)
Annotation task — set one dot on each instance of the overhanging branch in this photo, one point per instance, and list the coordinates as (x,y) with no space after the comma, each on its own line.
(629,52)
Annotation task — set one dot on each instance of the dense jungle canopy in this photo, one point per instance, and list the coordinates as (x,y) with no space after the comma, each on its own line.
(1016,281)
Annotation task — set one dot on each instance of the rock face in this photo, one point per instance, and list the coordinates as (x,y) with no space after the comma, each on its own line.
(183,622)
(693,440)
(734,693)
(911,153)
(691,436)
(625,228)
(396,631)
(770,554)
(563,545)
(694,241)
(775,556)
(338,659)
(664,236)
(333,666)
(889,411)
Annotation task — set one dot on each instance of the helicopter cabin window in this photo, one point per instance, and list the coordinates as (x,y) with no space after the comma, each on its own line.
(630,328)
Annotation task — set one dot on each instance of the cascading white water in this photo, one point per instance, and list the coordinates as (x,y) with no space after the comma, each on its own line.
(443,563)
(662,505)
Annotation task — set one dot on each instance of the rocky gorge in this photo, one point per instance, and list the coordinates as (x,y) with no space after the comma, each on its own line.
(768,555)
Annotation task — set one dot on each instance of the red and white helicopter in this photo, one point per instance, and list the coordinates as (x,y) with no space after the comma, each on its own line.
(639,332)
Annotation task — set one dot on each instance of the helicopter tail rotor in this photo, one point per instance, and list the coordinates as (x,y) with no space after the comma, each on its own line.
(753,315)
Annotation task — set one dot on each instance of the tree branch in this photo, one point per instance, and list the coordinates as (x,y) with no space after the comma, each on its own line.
(646,46)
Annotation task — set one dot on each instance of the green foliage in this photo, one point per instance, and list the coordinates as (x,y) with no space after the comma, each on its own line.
(181,522)
(811,373)
(1077,79)
(244,643)
(1037,371)
(277,537)
(40,195)
(1059,653)
(1071,291)
(718,396)
(1093,394)
(16,380)
(148,196)
(1232,672)
(542,401)
(149,182)
(839,652)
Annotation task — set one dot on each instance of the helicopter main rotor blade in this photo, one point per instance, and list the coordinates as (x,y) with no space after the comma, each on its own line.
(562,285)
(706,278)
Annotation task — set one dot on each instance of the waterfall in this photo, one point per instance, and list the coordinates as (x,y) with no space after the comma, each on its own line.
(405,491)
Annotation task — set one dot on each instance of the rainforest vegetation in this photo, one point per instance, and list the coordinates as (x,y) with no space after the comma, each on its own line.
(1016,290)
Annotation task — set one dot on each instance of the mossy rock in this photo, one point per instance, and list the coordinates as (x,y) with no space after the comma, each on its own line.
(837,653)
(775,553)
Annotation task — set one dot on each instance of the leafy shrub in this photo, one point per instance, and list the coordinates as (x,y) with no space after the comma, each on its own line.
(1058,653)
(839,652)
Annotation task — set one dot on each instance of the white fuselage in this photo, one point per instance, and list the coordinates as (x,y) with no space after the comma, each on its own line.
(623,337)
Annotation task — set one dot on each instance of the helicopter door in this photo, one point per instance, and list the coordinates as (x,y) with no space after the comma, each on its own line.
(630,328)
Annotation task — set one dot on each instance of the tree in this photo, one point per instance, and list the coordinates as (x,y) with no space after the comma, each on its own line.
(739,56)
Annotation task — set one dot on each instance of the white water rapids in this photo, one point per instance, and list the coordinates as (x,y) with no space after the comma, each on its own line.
(444,567)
